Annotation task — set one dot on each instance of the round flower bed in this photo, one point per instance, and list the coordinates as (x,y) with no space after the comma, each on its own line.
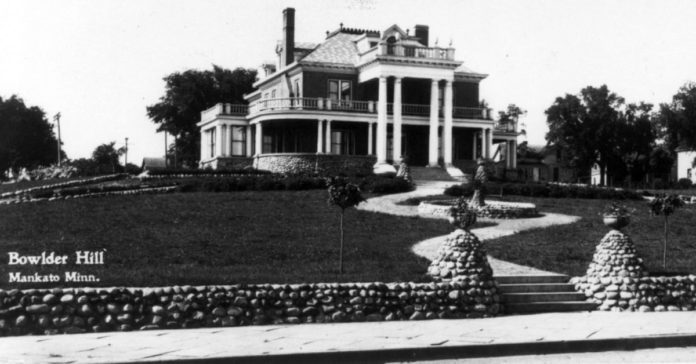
(493,209)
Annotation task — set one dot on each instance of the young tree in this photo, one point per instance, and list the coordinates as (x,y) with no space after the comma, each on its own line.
(665,205)
(26,137)
(190,92)
(344,195)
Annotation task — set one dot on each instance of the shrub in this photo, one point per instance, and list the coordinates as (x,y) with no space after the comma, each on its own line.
(684,183)
(459,190)
(387,185)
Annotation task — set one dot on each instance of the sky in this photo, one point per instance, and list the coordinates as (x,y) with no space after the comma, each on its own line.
(100,63)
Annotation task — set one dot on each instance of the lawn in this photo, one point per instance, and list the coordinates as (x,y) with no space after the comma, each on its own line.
(214,238)
(569,248)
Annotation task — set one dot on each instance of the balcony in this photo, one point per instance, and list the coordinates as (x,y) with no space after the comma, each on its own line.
(505,127)
(384,49)
(327,105)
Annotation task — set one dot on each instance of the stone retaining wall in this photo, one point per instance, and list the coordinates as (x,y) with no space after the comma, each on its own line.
(222,163)
(326,164)
(616,280)
(51,311)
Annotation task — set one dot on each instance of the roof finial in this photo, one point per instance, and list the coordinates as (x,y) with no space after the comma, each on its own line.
(341,25)
(450,45)
(407,31)
(436,41)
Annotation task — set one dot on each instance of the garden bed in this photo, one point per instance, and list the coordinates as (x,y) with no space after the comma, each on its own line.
(493,209)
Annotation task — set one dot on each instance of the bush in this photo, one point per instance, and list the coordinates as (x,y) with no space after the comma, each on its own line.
(684,183)
(547,190)
(459,190)
(386,185)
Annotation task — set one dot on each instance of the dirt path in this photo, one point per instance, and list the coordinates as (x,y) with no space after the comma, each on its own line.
(428,248)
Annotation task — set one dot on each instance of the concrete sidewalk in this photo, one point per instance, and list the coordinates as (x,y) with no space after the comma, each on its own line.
(366,342)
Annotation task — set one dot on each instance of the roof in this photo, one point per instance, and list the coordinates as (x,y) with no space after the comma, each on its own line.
(339,49)
(305,45)
(149,163)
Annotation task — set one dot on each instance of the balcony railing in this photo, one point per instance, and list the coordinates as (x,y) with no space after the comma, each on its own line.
(506,127)
(354,106)
(399,50)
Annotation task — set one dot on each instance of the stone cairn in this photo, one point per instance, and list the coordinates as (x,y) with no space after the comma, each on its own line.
(463,259)
(617,280)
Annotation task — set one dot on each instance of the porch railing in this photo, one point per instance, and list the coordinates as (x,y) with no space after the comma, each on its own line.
(400,50)
(356,106)
(507,127)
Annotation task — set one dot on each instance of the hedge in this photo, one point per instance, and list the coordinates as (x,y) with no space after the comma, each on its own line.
(548,190)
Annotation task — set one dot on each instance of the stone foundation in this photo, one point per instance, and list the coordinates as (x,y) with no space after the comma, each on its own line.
(325,164)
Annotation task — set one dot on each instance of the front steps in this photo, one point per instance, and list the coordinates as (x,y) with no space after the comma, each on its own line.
(430,174)
(541,294)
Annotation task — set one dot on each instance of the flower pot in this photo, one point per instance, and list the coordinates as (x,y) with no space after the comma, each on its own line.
(616,222)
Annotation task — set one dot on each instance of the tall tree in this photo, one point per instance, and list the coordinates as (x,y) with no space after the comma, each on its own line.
(587,126)
(190,92)
(677,120)
(26,137)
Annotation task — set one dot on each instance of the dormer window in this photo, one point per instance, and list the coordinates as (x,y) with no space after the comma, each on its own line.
(390,44)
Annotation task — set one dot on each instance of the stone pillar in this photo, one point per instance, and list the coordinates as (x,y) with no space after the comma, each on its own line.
(433,140)
(370,138)
(447,133)
(248,141)
(514,154)
(259,139)
(397,121)
(327,139)
(320,134)
(475,145)
(488,142)
(382,122)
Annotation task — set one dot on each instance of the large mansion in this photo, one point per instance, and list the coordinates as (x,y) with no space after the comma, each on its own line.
(361,99)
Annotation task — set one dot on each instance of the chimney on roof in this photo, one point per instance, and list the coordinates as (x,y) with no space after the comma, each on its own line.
(288,54)
(421,32)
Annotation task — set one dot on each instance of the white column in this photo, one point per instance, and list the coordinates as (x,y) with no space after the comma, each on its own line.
(475,144)
(397,121)
(320,133)
(220,140)
(327,149)
(369,139)
(259,139)
(248,141)
(487,143)
(382,122)
(204,145)
(447,145)
(433,140)
(514,154)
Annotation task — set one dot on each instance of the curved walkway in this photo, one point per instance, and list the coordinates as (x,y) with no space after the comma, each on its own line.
(428,248)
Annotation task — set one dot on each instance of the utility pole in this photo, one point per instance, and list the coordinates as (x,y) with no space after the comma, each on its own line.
(57,120)
(165,149)
(125,164)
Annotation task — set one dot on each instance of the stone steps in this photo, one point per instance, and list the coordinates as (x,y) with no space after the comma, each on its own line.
(541,294)
(530,297)
(430,174)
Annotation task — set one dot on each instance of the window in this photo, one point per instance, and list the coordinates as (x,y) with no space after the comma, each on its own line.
(238,147)
(211,142)
(273,94)
(343,142)
(340,90)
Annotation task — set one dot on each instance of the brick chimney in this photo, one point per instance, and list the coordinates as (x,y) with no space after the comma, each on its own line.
(422,34)
(288,54)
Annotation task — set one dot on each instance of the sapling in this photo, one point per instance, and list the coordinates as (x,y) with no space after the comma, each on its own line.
(665,205)
(344,195)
